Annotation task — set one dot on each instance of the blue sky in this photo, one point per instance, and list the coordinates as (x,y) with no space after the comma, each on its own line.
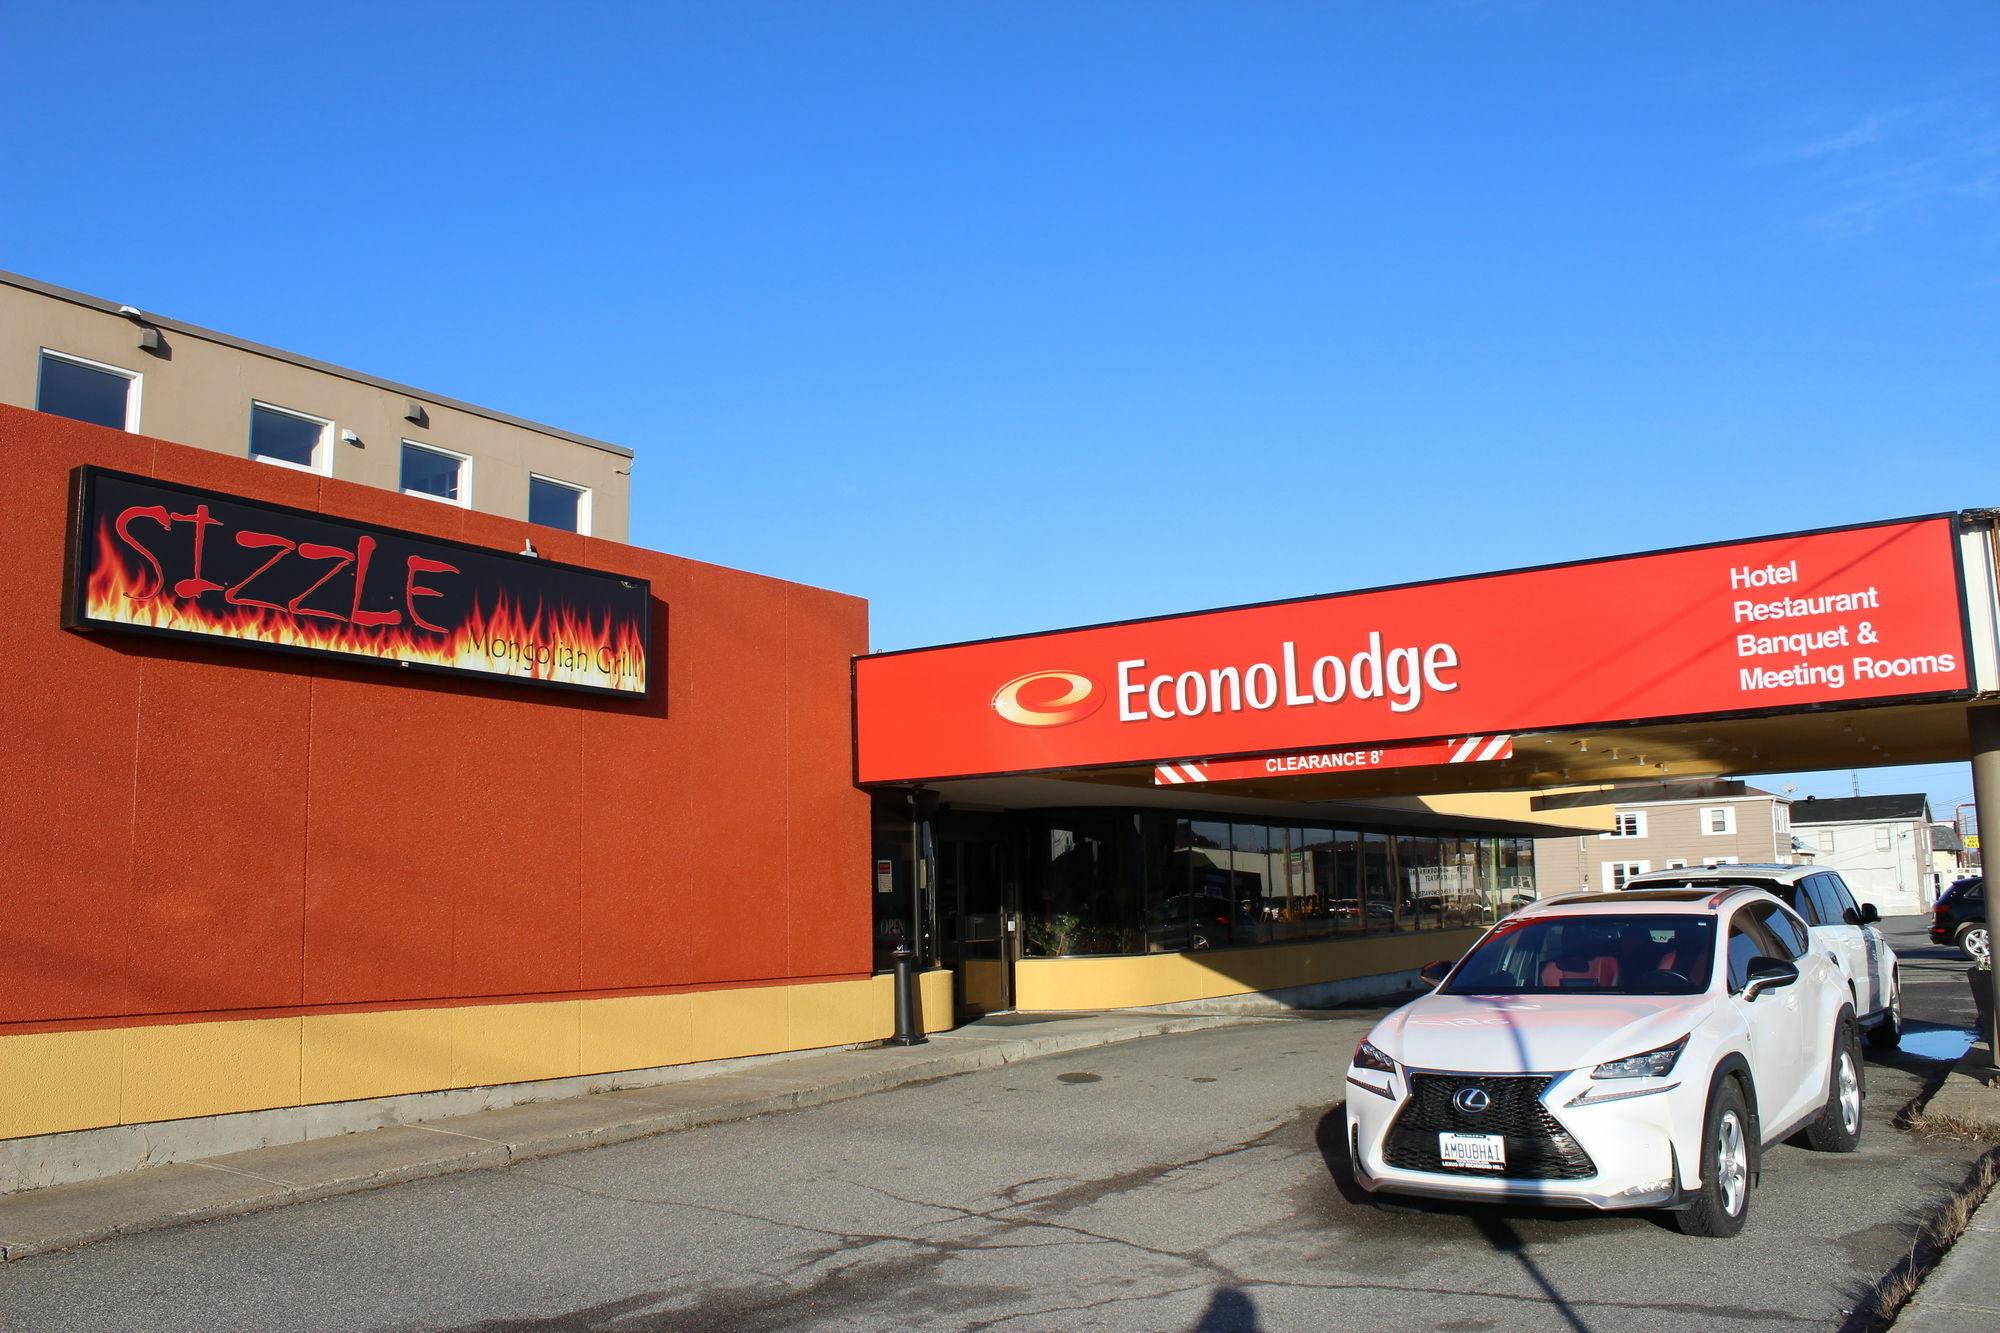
(1016,315)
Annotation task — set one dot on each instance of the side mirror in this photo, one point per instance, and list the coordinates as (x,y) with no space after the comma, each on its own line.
(1435,973)
(1868,915)
(1769,974)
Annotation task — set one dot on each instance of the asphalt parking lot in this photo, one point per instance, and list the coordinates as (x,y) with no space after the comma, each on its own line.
(1194,1181)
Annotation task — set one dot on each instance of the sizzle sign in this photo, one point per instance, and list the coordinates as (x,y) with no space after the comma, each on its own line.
(1846,615)
(150,557)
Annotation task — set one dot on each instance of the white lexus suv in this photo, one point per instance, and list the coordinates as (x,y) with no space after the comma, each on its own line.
(1613,1050)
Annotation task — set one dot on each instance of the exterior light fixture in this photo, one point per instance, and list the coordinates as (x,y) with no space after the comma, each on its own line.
(413,411)
(349,437)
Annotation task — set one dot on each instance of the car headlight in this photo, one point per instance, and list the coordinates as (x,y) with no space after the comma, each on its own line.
(1656,1063)
(1368,1056)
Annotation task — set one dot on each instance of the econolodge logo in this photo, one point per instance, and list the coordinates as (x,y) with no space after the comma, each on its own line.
(1047,699)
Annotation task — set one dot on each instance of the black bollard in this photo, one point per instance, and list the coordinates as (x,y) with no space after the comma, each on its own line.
(909,1006)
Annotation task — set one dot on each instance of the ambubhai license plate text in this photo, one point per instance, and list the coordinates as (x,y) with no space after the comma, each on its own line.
(1487,1151)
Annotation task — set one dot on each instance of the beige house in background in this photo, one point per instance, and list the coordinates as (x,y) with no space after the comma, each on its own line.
(1668,825)
(95,360)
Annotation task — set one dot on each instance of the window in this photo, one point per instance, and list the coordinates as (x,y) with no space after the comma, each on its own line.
(1833,889)
(437,473)
(1616,873)
(1747,940)
(1812,904)
(1882,840)
(287,438)
(69,386)
(1628,824)
(1784,928)
(557,504)
(1824,840)
(1781,817)
(1608,953)
(1676,865)
(1718,860)
(1718,819)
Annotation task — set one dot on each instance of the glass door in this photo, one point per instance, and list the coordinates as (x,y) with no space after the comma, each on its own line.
(979,894)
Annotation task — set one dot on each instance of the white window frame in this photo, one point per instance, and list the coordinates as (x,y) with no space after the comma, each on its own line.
(1675,864)
(1884,840)
(1709,862)
(1823,839)
(1638,818)
(322,464)
(464,498)
(135,387)
(1631,870)
(1708,813)
(582,502)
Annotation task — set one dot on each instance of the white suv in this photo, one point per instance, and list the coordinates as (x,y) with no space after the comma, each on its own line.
(1599,1050)
(1839,926)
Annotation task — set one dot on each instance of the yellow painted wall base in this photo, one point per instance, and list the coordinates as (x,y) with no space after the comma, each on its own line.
(55,1082)
(1174,978)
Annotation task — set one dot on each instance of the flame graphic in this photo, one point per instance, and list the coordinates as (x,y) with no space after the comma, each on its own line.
(560,645)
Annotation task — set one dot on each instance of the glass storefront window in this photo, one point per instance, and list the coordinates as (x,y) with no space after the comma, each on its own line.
(1378,890)
(1414,855)
(1250,882)
(1083,893)
(1312,852)
(1110,882)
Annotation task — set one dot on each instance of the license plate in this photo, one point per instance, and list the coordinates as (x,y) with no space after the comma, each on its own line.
(1487,1151)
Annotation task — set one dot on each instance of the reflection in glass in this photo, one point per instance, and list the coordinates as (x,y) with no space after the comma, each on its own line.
(1109,883)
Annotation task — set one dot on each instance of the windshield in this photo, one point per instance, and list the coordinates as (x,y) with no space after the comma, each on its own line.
(1597,954)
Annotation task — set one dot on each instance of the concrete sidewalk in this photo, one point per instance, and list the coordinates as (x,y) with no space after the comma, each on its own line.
(1962,1294)
(38,1221)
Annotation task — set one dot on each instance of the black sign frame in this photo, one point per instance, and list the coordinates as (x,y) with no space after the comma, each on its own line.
(498,591)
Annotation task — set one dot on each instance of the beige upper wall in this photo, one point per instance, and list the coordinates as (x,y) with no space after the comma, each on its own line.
(200,395)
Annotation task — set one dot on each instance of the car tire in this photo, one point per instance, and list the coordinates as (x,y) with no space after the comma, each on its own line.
(1838,1128)
(1726,1153)
(1974,940)
(1887,1034)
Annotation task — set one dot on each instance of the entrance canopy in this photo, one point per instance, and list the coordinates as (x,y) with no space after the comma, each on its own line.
(1837,648)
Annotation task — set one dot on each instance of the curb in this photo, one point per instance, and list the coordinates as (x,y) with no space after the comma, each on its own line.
(62,1217)
(1960,1295)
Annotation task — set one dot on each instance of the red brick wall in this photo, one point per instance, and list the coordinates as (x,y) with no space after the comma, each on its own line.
(189,831)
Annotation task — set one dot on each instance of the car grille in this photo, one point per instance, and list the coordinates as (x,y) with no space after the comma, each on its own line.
(1538,1147)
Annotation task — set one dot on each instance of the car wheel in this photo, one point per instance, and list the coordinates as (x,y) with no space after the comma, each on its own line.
(1724,1199)
(1838,1128)
(1887,1034)
(1974,941)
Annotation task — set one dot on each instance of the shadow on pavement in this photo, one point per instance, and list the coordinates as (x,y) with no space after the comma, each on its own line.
(1229,1311)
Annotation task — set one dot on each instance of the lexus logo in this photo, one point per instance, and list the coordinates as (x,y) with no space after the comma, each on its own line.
(1471,1100)
(1047,699)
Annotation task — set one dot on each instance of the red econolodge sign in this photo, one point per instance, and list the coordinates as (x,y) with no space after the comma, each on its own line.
(1840,616)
